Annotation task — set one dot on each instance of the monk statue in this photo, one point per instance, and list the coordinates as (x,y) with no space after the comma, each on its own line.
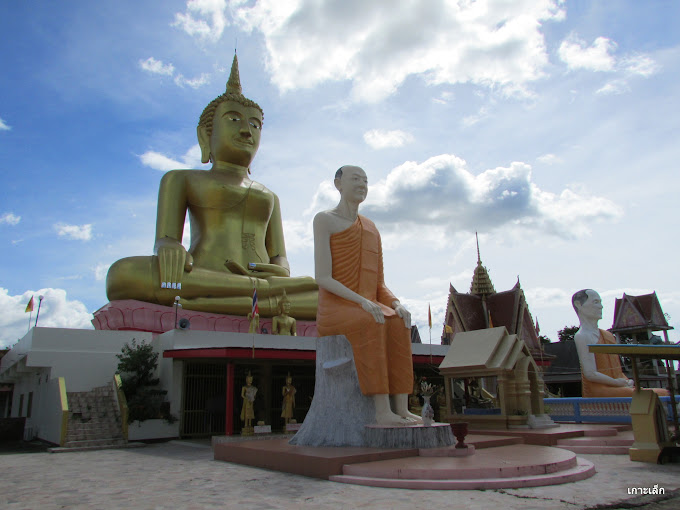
(236,230)
(354,300)
(601,374)
(283,323)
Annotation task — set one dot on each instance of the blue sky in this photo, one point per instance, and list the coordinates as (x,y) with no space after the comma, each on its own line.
(549,127)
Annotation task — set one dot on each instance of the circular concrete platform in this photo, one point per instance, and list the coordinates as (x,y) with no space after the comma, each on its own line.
(494,468)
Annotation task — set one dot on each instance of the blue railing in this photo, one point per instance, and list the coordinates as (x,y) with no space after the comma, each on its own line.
(595,410)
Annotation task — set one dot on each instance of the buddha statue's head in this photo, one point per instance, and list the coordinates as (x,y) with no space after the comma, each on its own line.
(230,126)
(289,379)
(249,379)
(284,304)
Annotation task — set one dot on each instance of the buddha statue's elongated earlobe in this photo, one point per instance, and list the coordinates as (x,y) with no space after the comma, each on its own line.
(204,144)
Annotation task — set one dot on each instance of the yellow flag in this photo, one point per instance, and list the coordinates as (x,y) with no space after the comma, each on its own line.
(448,328)
(29,306)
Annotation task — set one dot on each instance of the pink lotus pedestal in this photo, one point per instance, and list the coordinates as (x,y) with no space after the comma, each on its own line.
(129,314)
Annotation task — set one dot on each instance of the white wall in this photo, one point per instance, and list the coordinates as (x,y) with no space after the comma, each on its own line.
(85,358)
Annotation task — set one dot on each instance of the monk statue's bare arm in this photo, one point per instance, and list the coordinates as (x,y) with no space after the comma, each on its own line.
(323,264)
(173,258)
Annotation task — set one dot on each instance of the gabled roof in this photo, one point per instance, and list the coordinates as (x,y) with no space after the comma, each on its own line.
(638,313)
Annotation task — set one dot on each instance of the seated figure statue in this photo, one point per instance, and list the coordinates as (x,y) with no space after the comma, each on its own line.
(283,323)
(601,374)
(354,300)
(236,229)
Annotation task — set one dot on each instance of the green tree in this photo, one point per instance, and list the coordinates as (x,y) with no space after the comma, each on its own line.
(566,334)
(544,339)
(137,365)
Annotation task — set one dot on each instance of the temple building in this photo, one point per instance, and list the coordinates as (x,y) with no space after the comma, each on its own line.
(483,308)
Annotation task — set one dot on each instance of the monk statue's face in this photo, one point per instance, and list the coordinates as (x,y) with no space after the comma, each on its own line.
(353,184)
(592,308)
(235,135)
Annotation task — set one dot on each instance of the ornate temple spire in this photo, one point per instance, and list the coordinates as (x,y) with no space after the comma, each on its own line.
(234,82)
(481,282)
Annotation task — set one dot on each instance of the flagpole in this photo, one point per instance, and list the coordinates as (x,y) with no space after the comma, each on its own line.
(429,323)
(40,298)
(30,317)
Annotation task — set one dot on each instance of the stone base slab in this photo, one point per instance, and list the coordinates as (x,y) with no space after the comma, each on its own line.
(414,436)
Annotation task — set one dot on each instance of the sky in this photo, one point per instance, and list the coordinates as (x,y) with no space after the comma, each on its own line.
(548,127)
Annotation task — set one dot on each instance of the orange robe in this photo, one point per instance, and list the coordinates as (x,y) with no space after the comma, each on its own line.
(609,364)
(382,352)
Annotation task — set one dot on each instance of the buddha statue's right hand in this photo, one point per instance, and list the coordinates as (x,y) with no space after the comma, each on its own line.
(173,261)
(374,310)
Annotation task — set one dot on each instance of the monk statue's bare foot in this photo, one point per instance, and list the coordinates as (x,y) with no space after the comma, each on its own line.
(384,414)
(400,406)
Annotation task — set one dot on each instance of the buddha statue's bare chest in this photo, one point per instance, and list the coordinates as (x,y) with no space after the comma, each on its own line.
(218,195)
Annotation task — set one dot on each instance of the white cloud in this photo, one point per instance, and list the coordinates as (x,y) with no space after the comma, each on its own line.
(194,83)
(74,232)
(157,66)
(100,271)
(440,197)
(10,218)
(596,57)
(4,126)
(542,297)
(204,19)
(382,139)
(495,43)
(158,161)
(639,64)
(614,87)
(549,159)
(56,311)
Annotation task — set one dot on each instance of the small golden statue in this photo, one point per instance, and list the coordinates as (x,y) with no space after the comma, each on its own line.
(236,228)
(288,406)
(284,324)
(248,393)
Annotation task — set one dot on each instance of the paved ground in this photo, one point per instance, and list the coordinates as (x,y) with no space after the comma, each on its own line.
(183,475)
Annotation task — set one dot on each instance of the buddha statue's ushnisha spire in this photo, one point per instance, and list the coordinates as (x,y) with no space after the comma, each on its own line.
(234,92)
(234,82)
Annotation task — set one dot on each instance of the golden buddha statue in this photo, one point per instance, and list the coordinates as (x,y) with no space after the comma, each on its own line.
(237,238)
(283,323)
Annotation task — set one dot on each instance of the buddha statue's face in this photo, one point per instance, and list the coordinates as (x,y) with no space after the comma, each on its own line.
(235,135)
(592,307)
(285,307)
(353,184)
(249,380)
(289,380)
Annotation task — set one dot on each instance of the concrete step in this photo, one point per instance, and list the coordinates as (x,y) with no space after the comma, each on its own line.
(109,441)
(66,449)
(597,450)
(601,441)
(581,470)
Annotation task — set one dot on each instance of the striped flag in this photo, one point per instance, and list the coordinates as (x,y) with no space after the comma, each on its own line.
(429,316)
(256,309)
(29,306)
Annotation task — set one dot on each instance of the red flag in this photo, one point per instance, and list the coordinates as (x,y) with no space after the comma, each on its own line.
(538,330)
(29,306)
(429,316)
